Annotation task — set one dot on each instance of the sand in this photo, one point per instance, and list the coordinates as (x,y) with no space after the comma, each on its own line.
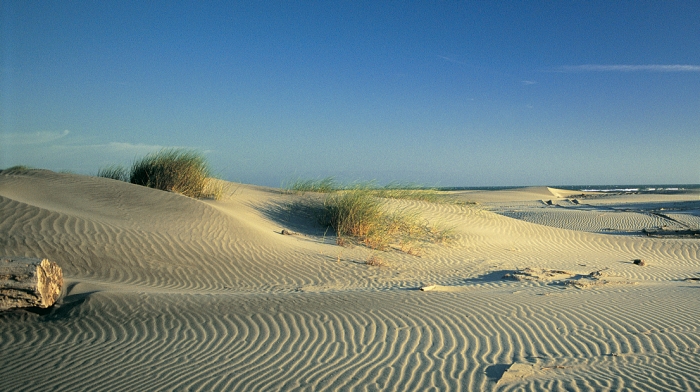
(170,293)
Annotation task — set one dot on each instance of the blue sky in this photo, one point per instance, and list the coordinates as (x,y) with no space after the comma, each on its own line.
(439,93)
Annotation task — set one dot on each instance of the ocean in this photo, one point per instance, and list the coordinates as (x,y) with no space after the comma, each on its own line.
(637,188)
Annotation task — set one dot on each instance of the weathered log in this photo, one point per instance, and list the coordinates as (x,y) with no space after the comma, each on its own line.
(28,282)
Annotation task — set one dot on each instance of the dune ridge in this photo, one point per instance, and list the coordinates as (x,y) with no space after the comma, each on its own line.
(170,293)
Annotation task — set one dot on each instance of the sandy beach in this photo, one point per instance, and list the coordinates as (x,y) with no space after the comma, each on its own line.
(537,290)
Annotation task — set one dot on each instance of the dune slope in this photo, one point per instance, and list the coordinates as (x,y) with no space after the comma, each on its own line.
(169,293)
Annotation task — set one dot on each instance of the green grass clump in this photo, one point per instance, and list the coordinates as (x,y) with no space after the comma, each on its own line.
(18,169)
(324,185)
(359,214)
(393,190)
(115,172)
(174,170)
(356,213)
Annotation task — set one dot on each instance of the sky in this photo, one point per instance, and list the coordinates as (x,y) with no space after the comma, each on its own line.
(438,93)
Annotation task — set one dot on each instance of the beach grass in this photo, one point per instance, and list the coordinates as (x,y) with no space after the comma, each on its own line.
(354,213)
(407,191)
(394,190)
(115,172)
(18,169)
(182,171)
(174,170)
(216,189)
(323,185)
(359,215)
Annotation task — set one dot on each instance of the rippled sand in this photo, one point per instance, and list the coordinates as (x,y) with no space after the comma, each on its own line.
(169,293)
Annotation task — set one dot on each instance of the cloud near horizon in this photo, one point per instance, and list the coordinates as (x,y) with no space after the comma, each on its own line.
(111,149)
(62,140)
(63,150)
(18,139)
(630,68)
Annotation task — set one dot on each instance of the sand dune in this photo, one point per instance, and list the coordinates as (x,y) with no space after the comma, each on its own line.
(170,293)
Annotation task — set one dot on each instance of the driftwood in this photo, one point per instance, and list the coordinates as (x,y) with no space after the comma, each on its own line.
(27,282)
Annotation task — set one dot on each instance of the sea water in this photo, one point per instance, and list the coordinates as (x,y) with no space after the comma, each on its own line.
(663,188)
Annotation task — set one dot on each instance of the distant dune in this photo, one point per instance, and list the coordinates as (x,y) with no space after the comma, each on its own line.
(165,292)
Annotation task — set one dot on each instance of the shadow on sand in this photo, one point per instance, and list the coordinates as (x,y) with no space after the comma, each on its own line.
(495,372)
(493,276)
(65,307)
(299,216)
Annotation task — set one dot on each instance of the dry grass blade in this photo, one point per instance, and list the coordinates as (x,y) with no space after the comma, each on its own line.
(216,189)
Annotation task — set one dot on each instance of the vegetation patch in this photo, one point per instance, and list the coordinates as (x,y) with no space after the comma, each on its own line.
(19,169)
(394,190)
(408,192)
(324,185)
(359,215)
(181,171)
(115,172)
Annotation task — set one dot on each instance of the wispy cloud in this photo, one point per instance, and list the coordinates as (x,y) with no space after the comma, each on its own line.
(630,68)
(20,139)
(112,151)
(451,60)
(528,82)
(118,147)
(60,140)
(61,150)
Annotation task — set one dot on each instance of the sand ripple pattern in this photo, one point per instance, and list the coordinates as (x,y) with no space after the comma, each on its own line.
(594,221)
(486,240)
(405,340)
(144,237)
(170,293)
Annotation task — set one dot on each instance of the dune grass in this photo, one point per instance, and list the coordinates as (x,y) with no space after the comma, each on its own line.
(186,172)
(407,192)
(354,213)
(18,169)
(394,190)
(324,185)
(173,170)
(216,189)
(359,214)
(115,172)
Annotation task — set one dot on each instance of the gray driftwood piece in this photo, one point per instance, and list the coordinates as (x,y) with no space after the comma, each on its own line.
(28,282)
